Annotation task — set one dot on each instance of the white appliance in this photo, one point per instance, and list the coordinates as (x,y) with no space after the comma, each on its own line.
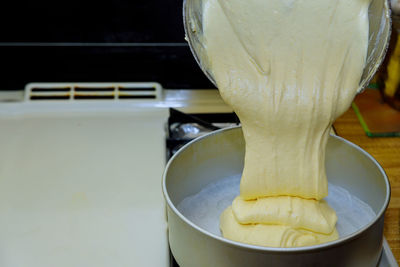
(80,179)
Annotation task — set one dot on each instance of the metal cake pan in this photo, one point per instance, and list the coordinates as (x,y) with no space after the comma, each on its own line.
(219,155)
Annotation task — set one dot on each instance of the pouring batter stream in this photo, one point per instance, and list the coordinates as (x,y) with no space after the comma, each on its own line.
(288,68)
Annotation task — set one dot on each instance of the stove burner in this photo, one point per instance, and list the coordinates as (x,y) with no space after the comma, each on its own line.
(183,128)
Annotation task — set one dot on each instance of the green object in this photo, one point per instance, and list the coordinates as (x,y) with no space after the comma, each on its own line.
(376,117)
(361,119)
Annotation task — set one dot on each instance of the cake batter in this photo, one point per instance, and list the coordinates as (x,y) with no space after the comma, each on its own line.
(288,68)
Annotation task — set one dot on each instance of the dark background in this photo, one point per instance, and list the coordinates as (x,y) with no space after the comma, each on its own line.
(87,41)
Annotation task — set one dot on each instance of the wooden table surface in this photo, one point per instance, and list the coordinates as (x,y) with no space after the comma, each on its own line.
(386,150)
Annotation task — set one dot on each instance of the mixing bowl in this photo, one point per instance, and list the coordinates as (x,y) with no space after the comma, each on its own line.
(219,155)
(379,34)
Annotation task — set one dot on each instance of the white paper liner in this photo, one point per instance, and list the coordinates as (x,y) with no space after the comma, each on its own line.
(205,207)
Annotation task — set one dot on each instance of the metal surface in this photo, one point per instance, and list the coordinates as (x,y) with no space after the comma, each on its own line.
(379,34)
(387,259)
(219,155)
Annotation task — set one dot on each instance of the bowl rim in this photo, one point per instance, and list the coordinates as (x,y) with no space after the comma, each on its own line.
(240,245)
(363,84)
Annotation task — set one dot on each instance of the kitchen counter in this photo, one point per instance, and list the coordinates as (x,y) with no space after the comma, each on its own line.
(386,150)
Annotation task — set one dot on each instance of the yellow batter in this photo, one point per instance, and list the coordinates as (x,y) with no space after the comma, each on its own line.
(288,68)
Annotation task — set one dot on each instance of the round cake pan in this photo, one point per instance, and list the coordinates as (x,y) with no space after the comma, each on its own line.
(219,155)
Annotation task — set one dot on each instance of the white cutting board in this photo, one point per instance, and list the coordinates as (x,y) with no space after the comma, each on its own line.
(80,185)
